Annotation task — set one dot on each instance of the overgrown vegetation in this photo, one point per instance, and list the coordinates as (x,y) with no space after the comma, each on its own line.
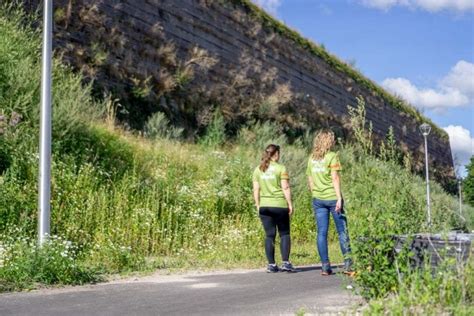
(24,265)
(447,291)
(468,184)
(158,126)
(121,202)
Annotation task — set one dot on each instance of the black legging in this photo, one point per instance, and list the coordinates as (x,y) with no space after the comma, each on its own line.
(273,217)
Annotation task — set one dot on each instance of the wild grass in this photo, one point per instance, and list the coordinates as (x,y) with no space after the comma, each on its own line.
(121,202)
(447,291)
(24,265)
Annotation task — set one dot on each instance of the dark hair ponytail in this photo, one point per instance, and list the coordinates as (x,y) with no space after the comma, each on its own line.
(269,152)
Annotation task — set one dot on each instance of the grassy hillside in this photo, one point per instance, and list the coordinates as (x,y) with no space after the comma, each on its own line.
(121,202)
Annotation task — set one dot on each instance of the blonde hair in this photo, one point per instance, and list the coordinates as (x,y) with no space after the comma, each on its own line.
(323,142)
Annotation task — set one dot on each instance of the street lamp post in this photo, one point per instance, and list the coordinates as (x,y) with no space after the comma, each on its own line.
(45,127)
(460,196)
(425,130)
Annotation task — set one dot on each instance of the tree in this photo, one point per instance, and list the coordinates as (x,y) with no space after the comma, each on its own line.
(468,183)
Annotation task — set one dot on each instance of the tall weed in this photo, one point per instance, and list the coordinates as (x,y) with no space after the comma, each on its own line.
(215,132)
(158,126)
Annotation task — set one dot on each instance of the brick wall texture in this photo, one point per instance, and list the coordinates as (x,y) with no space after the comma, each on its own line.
(122,43)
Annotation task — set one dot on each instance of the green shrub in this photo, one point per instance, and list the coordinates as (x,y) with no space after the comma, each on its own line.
(396,209)
(468,183)
(259,135)
(215,132)
(158,126)
(447,291)
(23,264)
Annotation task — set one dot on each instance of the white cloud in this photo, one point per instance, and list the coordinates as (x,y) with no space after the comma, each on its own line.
(461,78)
(425,98)
(428,5)
(462,144)
(271,6)
(456,89)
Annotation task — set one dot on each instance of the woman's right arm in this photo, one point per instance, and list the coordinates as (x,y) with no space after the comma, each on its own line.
(336,182)
(285,185)
(256,194)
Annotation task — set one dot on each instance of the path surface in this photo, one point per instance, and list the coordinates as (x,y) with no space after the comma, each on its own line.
(249,292)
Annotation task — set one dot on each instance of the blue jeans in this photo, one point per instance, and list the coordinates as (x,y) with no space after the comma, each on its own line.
(322,209)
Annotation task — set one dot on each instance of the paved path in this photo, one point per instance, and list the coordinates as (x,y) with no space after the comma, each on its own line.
(250,292)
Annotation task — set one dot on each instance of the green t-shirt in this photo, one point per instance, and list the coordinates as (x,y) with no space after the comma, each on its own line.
(320,172)
(271,193)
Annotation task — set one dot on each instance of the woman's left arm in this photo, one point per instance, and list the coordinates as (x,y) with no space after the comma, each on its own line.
(256,194)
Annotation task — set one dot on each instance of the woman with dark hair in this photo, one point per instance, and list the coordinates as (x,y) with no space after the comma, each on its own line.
(325,184)
(271,191)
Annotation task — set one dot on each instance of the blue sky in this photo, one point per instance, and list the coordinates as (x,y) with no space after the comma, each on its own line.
(422,50)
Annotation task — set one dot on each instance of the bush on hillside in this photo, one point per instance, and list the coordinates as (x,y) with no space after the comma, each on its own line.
(158,126)
(468,183)
(23,263)
(215,131)
(261,134)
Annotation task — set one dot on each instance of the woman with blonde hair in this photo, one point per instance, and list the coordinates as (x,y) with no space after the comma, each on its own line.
(271,191)
(325,184)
